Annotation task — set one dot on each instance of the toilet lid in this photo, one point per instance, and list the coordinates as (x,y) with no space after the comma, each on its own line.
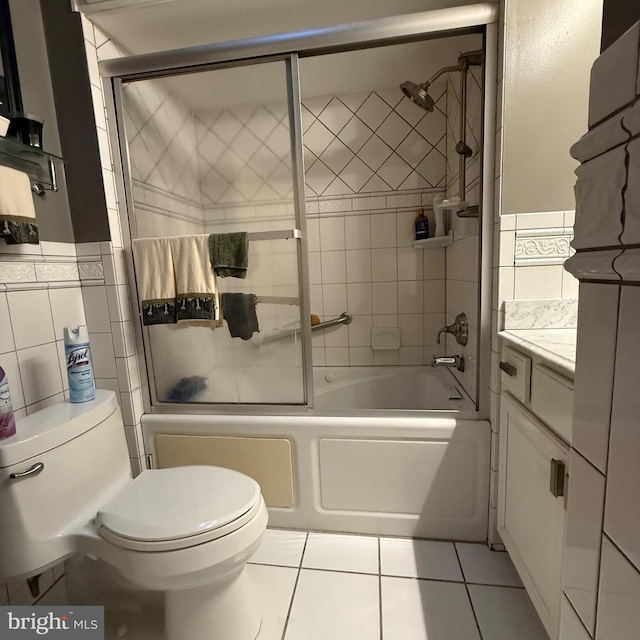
(168,504)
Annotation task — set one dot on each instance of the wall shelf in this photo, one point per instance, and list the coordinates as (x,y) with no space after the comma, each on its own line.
(434,243)
(39,165)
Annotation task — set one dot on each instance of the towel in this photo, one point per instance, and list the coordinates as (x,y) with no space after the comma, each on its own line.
(156,280)
(239,310)
(229,254)
(196,294)
(17,211)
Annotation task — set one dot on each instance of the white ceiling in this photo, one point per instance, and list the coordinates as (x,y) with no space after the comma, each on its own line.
(170,24)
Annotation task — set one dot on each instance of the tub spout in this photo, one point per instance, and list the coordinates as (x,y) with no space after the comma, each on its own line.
(449,361)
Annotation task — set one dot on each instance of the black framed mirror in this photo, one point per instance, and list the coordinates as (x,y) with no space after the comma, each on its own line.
(10,98)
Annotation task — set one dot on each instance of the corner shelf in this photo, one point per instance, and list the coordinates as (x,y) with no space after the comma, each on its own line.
(39,165)
(434,243)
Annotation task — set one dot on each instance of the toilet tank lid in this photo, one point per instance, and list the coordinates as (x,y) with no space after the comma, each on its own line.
(53,426)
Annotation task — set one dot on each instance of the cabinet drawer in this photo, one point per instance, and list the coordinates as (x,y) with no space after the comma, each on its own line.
(515,374)
(552,400)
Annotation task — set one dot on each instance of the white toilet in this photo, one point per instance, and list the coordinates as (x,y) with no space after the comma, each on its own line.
(66,488)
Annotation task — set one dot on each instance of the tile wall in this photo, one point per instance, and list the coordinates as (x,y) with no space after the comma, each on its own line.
(105,289)
(601,572)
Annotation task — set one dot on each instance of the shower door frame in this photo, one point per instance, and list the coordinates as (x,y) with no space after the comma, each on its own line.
(290,47)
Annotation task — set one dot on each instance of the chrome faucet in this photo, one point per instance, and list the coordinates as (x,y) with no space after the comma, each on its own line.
(459,329)
(449,361)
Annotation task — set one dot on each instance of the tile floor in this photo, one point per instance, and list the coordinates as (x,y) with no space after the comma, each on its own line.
(320,586)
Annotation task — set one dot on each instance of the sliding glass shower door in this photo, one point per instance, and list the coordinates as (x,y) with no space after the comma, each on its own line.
(210,154)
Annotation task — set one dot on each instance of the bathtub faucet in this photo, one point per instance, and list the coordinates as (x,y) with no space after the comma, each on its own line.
(449,361)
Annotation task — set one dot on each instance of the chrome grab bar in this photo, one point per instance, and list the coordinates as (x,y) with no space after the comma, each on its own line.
(345,318)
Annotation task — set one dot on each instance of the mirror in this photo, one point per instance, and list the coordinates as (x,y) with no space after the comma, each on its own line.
(10,99)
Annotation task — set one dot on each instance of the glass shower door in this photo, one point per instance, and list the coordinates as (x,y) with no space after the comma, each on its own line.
(212,153)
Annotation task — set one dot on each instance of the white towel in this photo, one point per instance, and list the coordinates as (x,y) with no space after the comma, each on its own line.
(175,280)
(17,211)
(156,280)
(196,290)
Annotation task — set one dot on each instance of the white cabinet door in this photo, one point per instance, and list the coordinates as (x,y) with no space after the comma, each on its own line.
(531,519)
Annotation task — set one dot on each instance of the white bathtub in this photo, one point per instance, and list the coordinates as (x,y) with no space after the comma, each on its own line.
(365,388)
(408,473)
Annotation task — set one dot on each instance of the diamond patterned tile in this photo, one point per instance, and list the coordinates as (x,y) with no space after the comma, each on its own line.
(433,168)
(309,158)
(317,104)
(393,130)
(414,181)
(411,112)
(319,177)
(336,156)
(356,174)
(264,162)
(335,115)
(281,180)
(317,138)
(373,111)
(245,144)
(394,171)
(354,100)
(338,188)
(265,192)
(355,134)
(229,165)
(247,182)
(262,123)
(214,185)
(375,152)
(279,110)
(414,149)
(391,96)
(433,126)
(279,141)
(307,119)
(375,184)
(227,126)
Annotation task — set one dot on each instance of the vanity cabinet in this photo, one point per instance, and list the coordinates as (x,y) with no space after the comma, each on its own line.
(535,421)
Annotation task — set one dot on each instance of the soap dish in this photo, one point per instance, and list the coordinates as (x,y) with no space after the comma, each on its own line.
(385,339)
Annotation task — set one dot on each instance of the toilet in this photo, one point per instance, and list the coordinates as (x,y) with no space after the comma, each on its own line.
(66,488)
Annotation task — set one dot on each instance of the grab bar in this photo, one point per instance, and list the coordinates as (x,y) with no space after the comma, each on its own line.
(345,318)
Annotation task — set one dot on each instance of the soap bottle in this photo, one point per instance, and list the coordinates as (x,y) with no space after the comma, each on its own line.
(82,387)
(7,419)
(422,225)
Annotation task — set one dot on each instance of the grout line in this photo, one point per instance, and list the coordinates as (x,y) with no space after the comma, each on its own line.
(295,587)
(466,588)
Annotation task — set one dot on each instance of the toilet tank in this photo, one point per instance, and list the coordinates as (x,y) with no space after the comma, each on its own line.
(83,450)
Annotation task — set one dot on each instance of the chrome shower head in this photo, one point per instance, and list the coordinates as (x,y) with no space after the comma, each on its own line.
(418,93)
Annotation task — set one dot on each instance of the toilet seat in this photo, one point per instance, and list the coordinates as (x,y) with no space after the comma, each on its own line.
(167,509)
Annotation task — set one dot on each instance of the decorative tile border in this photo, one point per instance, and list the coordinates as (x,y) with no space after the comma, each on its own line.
(542,246)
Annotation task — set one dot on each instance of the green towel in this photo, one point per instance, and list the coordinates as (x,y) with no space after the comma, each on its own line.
(229,254)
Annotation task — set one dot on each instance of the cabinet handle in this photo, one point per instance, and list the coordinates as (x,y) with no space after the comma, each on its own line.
(556,482)
(509,369)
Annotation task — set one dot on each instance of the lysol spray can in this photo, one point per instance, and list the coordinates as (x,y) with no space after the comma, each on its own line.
(82,386)
(7,419)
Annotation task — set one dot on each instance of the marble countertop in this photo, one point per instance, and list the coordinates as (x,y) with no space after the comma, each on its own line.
(557,347)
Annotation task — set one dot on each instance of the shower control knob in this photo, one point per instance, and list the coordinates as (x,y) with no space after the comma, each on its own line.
(329,377)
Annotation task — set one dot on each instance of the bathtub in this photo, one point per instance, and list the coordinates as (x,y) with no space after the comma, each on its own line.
(401,388)
(414,463)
